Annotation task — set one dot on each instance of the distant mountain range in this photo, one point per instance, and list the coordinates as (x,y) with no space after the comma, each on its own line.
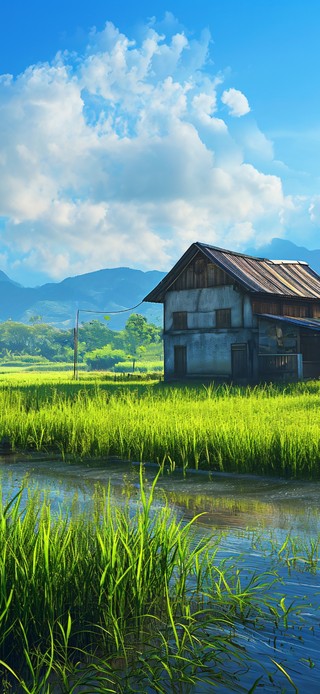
(110,290)
(103,290)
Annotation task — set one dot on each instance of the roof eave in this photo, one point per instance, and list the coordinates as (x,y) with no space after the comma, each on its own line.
(158,293)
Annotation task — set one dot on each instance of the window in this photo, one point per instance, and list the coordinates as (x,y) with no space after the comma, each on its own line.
(223,318)
(179,320)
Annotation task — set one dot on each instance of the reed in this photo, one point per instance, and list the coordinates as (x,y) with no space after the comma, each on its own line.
(117,601)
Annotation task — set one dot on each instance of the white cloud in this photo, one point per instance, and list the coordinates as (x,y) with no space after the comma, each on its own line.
(314,209)
(236,101)
(257,148)
(122,157)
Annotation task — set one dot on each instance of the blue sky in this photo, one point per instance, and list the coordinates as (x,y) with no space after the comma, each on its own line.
(130,129)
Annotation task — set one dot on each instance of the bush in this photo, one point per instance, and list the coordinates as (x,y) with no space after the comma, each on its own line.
(104,358)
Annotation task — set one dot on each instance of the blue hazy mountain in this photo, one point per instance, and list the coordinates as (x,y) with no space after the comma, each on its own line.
(104,290)
(280,249)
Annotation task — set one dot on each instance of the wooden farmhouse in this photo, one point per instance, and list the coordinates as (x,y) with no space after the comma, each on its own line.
(232,316)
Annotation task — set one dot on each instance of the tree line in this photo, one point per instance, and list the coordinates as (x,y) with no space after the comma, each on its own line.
(98,345)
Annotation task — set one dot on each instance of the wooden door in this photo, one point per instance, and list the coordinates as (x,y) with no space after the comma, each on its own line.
(239,361)
(180,360)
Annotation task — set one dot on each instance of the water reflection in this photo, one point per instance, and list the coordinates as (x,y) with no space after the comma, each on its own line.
(267,508)
(228,501)
(231,501)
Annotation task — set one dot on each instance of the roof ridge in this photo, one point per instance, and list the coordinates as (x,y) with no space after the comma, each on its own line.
(226,250)
(274,261)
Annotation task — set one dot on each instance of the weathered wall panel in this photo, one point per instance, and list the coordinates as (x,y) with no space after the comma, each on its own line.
(208,348)
(207,353)
(201,304)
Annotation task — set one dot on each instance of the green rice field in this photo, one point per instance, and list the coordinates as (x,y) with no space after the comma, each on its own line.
(264,430)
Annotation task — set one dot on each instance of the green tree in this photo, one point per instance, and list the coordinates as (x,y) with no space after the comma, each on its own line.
(139,332)
(52,343)
(95,335)
(35,340)
(16,338)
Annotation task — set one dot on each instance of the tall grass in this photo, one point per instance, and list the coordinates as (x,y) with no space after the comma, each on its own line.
(264,430)
(119,601)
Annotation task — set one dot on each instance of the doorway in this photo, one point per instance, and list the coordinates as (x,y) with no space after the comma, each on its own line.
(239,361)
(180,360)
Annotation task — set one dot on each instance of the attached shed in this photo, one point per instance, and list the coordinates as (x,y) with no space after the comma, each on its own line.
(233,316)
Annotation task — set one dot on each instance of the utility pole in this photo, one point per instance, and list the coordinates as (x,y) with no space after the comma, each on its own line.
(75,346)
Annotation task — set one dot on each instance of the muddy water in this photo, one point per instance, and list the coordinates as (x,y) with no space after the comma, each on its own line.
(254,514)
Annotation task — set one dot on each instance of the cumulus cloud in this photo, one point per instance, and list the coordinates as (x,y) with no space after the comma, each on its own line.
(236,101)
(122,156)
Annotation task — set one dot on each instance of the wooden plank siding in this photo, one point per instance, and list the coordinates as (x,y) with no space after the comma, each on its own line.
(200,274)
(296,309)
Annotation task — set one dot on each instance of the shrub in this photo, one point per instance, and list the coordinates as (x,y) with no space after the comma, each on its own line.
(104,358)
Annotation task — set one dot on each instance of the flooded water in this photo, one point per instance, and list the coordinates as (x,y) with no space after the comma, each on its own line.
(254,516)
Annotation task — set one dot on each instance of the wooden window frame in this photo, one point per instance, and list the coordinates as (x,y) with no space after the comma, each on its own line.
(223,318)
(179,320)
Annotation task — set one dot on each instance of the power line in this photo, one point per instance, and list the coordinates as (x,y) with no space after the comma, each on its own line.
(76,330)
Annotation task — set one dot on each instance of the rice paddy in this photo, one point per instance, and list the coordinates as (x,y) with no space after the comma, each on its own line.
(264,430)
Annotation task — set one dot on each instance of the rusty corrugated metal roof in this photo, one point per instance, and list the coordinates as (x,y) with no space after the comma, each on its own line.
(286,278)
(292,279)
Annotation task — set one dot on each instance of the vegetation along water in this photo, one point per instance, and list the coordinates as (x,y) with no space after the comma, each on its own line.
(127,596)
